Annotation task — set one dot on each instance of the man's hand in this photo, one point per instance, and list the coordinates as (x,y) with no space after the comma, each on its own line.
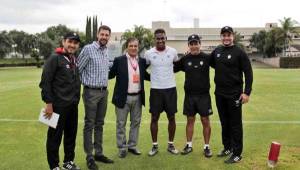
(48,111)
(244,98)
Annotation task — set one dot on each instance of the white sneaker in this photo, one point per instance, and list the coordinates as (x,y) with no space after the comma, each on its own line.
(153,151)
(172,149)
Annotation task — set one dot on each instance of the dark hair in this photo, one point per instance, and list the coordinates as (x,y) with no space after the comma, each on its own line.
(104,27)
(131,39)
(159,30)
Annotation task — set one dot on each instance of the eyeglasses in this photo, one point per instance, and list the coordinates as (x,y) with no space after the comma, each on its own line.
(160,38)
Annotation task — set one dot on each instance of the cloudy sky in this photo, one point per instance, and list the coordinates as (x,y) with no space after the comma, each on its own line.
(36,15)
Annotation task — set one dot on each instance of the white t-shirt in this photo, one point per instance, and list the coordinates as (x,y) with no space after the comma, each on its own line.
(161,64)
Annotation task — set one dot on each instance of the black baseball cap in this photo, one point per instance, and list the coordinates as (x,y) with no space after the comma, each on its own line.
(194,37)
(72,36)
(226,29)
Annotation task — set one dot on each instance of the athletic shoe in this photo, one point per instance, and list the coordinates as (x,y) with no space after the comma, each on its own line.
(224,152)
(153,151)
(207,152)
(172,149)
(186,150)
(233,159)
(70,166)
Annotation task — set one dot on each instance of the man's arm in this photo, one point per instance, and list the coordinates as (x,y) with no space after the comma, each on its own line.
(178,65)
(113,70)
(212,62)
(83,60)
(247,70)
(48,74)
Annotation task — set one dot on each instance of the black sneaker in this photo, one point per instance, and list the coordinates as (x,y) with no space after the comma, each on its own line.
(224,152)
(104,159)
(91,164)
(70,166)
(233,159)
(186,150)
(207,152)
(153,151)
(172,149)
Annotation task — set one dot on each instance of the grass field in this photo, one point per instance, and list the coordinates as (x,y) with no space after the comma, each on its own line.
(271,115)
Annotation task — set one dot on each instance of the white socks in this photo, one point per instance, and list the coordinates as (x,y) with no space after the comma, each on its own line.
(171,143)
(206,145)
(190,144)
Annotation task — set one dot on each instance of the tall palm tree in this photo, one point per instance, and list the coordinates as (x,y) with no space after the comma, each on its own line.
(273,42)
(144,36)
(238,40)
(287,31)
(258,40)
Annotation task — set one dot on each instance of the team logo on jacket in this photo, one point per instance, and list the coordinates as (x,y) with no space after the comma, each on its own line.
(201,63)
(189,63)
(218,55)
(154,57)
(229,56)
(67,66)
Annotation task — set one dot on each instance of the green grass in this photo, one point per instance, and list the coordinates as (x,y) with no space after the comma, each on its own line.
(275,97)
(17,61)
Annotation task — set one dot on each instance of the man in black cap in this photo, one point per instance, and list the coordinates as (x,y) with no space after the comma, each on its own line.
(197,98)
(60,87)
(231,63)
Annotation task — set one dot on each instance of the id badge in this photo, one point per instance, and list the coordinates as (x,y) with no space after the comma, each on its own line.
(136,78)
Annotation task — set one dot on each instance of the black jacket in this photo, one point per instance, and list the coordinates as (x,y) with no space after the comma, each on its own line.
(120,71)
(60,82)
(230,63)
(196,68)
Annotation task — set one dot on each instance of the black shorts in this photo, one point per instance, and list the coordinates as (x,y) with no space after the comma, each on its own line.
(194,104)
(163,100)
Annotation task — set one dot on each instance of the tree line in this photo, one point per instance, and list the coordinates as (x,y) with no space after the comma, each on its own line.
(277,40)
(267,42)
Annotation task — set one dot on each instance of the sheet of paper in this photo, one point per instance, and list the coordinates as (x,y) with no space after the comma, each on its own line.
(52,122)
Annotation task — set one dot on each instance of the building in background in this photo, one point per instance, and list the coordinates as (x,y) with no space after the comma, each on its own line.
(210,37)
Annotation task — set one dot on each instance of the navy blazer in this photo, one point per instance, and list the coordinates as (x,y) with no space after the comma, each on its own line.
(120,71)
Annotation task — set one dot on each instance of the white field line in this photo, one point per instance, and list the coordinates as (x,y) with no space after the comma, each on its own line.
(165,122)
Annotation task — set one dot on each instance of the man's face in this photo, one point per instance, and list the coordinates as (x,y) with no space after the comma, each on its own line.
(132,48)
(227,39)
(103,37)
(160,41)
(194,47)
(70,46)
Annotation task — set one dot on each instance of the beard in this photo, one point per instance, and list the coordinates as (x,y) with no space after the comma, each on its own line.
(102,42)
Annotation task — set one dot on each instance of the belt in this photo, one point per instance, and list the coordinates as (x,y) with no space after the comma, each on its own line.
(133,94)
(96,88)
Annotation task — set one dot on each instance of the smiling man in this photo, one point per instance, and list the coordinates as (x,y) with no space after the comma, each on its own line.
(231,63)
(93,64)
(163,94)
(129,96)
(196,86)
(60,86)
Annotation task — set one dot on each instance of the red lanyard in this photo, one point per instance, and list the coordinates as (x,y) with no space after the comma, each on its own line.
(134,66)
